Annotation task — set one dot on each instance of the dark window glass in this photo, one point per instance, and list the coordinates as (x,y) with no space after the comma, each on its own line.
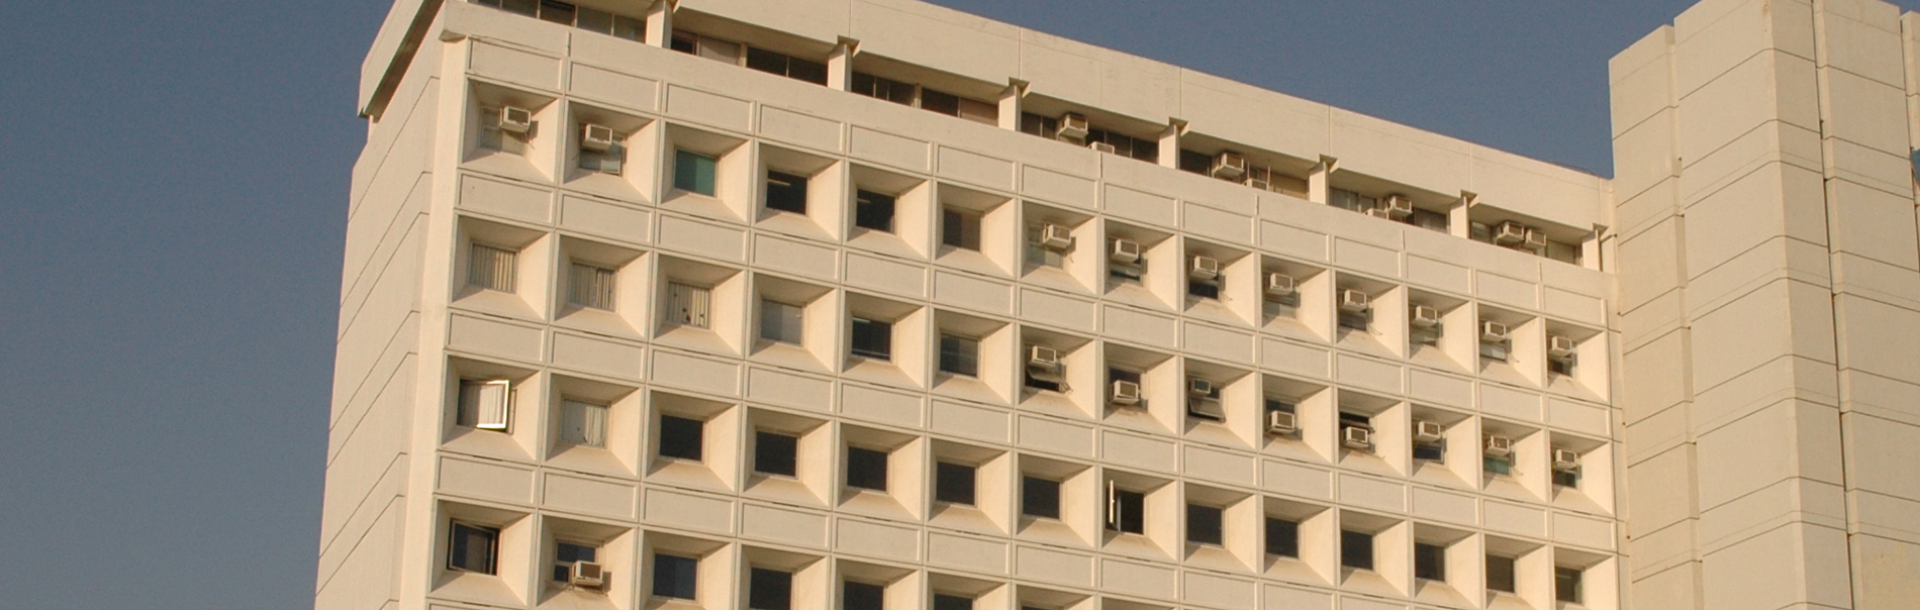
(1429,451)
(774,453)
(1500,573)
(694,172)
(629,28)
(1283,537)
(786,192)
(681,437)
(472,548)
(769,590)
(873,211)
(1496,465)
(1122,375)
(1195,162)
(872,339)
(1429,561)
(1356,550)
(529,8)
(1203,524)
(1033,124)
(675,576)
(866,469)
(1042,379)
(1128,512)
(685,43)
(1039,497)
(953,483)
(1355,419)
(557,12)
(1565,478)
(960,229)
(1356,320)
(959,355)
(862,596)
(1566,585)
(1560,366)
(1206,289)
(882,88)
(943,103)
(942,601)
(594,21)
(809,71)
(767,61)
(565,553)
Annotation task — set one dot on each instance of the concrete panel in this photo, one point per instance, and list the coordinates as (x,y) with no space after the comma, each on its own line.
(885,275)
(514,66)
(689,511)
(1296,479)
(794,256)
(889,149)
(974,168)
(883,406)
(1220,466)
(1886,573)
(1278,597)
(783,525)
(1578,417)
(1878,338)
(1752,574)
(1373,493)
(1431,273)
(695,373)
(703,238)
(786,389)
(1727,342)
(1778,442)
(1646,155)
(1154,210)
(1053,565)
(1865,112)
(617,89)
(589,496)
(799,128)
(490,337)
(1501,401)
(1229,227)
(707,108)
(967,553)
(1367,373)
(1295,242)
(1515,518)
(606,219)
(1216,591)
(1138,326)
(1048,185)
(962,44)
(1295,358)
(1375,147)
(1366,258)
(609,358)
(1444,506)
(879,540)
(1136,451)
(1436,388)
(1137,579)
(1231,345)
(486,480)
(1582,531)
(1506,291)
(978,423)
(1057,309)
(1873,224)
(1055,436)
(509,200)
(1662,488)
(957,289)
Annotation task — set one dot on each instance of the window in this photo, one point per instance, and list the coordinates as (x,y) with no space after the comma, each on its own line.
(1196,162)
(942,601)
(769,589)
(1039,497)
(1042,376)
(583,423)
(862,596)
(1560,366)
(694,172)
(1500,573)
(873,211)
(491,268)
(566,553)
(1206,289)
(1494,351)
(706,46)
(609,161)
(1429,220)
(1126,510)
(492,137)
(1205,406)
(681,438)
(787,65)
(960,229)
(1283,537)
(1566,585)
(1497,465)
(786,192)
(780,322)
(1039,253)
(1429,561)
(1127,146)
(1349,200)
(1043,126)
(941,102)
(1115,376)
(472,548)
(959,355)
(674,576)
(1203,524)
(775,453)
(590,286)
(1436,452)
(872,339)
(1356,550)
(866,469)
(1356,320)
(487,405)
(883,88)
(953,483)
(689,305)
(1567,478)
(557,12)
(1125,271)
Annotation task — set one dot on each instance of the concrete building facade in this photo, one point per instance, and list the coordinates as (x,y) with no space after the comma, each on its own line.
(874,305)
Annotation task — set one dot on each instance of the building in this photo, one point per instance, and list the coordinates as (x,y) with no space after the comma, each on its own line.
(624,326)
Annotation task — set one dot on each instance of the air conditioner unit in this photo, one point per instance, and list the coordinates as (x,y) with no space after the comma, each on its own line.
(1056,237)
(1280,422)
(1280,284)
(1206,409)
(1073,125)
(1397,206)
(1428,432)
(1260,184)
(1200,387)
(1229,165)
(1424,317)
(515,120)
(1492,332)
(1565,460)
(1126,393)
(1353,300)
(586,574)
(1124,251)
(1204,269)
(597,138)
(1380,213)
(1043,357)
(1509,233)
(1535,240)
(1355,437)
(1560,348)
(1102,147)
(1498,446)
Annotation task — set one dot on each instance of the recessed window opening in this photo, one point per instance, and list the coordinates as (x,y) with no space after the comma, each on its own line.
(689,305)
(786,192)
(681,438)
(873,211)
(954,483)
(491,267)
(866,469)
(872,339)
(883,88)
(1429,561)
(782,322)
(960,229)
(1356,320)
(1569,478)
(606,155)
(1498,465)
(508,139)
(485,404)
(1042,253)
(862,596)
(566,553)
(1567,586)
(722,51)
(789,66)
(583,423)
(1042,373)
(1356,550)
(1037,125)
(1283,537)
(775,453)
(675,576)
(1204,524)
(959,355)
(1500,574)
(943,601)
(769,589)
(1126,510)
(1431,451)
(1126,146)
(1039,497)
(472,548)
(695,172)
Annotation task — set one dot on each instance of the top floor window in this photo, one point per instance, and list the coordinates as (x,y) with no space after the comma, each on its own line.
(925,98)
(565,13)
(787,65)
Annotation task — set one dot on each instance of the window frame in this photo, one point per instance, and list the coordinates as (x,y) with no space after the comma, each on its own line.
(669,564)
(956,491)
(697,448)
(784,192)
(872,468)
(874,329)
(454,542)
(787,456)
(1206,524)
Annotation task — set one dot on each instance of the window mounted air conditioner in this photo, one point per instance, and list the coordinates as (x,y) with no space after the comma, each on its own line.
(1428,432)
(1206,409)
(1535,240)
(1355,437)
(1281,422)
(1204,269)
(586,574)
(1509,233)
(1043,357)
(1492,332)
(1498,446)
(1353,300)
(1560,348)
(1055,237)
(1424,317)
(1126,393)
(1229,165)
(597,138)
(515,120)
(1397,206)
(1102,147)
(1200,388)
(1565,460)
(1280,284)
(1073,125)
(1260,184)
(1124,251)
(1378,212)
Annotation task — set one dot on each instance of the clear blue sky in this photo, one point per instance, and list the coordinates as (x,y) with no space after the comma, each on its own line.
(173,187)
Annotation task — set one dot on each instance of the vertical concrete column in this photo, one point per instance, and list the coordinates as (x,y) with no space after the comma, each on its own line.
(840,64)
(660,23)
(1010,104)
(1317,184)
(1459,221)
(1170,143)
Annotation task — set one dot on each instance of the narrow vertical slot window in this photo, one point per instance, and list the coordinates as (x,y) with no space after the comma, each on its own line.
(590,286)
(491,267)
(583,423)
